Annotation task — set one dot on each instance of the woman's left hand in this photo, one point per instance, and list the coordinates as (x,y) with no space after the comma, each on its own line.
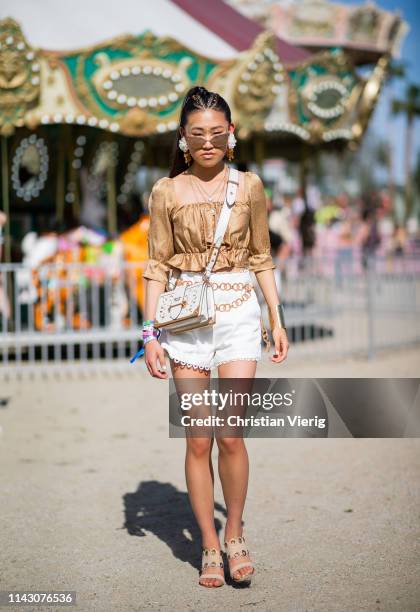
(281,344)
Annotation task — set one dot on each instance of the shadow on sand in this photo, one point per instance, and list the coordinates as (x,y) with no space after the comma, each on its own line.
(158,507)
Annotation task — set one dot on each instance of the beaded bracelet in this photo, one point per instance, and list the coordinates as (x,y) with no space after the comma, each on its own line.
(149,333)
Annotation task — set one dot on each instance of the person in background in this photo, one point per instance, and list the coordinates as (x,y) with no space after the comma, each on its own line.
(4,301)
(368,236)
(281,236)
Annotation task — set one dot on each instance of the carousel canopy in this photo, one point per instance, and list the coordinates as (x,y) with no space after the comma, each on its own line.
(213,28)
(133,84)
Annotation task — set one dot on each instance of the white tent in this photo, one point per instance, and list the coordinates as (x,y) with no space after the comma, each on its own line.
(62,25)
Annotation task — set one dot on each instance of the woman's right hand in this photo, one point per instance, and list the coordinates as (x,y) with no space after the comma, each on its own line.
(154,354)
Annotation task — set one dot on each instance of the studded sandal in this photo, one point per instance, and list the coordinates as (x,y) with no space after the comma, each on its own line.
(236,549)
(212,558)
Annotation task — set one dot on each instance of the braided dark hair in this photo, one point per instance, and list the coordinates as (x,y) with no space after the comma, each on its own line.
(196,98)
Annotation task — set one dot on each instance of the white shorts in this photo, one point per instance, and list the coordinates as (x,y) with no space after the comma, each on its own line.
(236,333)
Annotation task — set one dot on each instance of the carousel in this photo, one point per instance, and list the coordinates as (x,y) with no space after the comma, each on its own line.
(77,126)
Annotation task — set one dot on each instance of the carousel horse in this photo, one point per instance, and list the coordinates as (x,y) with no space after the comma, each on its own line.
(57,284)
(134,241)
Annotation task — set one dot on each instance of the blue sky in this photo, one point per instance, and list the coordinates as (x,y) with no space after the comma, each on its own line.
(394,129)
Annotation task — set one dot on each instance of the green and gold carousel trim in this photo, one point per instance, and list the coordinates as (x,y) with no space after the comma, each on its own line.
(316,101)
(19,77)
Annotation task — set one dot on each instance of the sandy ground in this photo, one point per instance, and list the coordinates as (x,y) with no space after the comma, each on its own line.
(94,500)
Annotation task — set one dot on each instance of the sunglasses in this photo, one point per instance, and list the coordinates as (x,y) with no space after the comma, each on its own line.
(219,141)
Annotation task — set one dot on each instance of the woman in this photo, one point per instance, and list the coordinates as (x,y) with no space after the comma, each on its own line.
(184,209)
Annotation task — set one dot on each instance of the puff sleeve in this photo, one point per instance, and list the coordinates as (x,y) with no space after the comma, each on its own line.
(259,243)
(160,236)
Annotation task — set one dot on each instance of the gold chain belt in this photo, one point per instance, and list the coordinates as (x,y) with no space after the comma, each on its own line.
(246,287)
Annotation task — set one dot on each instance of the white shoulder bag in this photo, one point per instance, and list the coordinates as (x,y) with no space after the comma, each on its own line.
(186,307)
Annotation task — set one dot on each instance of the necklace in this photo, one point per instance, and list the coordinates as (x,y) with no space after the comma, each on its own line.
(199,193)
(207,196)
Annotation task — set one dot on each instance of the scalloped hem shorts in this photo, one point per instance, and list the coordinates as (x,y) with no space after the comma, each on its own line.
(236,333)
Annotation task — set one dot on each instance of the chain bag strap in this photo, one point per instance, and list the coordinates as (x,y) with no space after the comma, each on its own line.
(186,307)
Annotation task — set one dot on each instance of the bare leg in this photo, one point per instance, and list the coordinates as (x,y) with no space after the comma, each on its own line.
(199,476)
(233,463)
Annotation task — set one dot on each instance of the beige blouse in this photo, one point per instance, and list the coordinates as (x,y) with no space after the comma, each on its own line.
(180,235)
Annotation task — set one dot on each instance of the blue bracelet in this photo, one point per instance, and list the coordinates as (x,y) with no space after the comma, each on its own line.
(138,354)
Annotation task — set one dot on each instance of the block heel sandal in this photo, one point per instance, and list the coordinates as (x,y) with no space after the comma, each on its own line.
(212,558)
(236,549)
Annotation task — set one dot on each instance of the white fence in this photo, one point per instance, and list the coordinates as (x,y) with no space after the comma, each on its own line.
(338,307)
(82,314)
